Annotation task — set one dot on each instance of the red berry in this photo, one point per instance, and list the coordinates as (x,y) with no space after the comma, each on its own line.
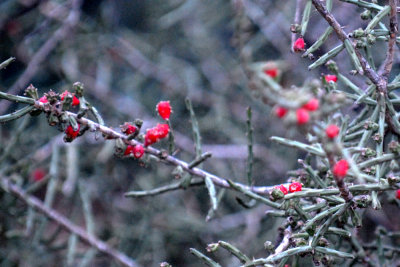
(273,73)
(280,112)
(154,134)
(312,105)
(128,128)
(75,100)
(129,150)
(302,116)
(138,151)
(340,169)
(164,109)
(151,136)
(283,189)
(43,100)
(294,187)
(163,130)
(298,45)
(398,194)
(38,174)
(330,78)
(332,131)
(71,133)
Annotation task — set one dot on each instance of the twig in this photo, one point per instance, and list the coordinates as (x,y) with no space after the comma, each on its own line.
(296,21)
(67,224)
(388,63)
(342,35)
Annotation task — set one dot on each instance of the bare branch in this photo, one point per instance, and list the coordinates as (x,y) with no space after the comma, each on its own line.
(67,224)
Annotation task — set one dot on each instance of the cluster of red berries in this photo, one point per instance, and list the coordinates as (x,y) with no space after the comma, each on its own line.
(137,151)
(153,135)
(302,114)
(293,187)
(75,100)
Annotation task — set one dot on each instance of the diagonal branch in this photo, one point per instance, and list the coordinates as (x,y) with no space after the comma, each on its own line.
(342,35)
(67,224)
(388,63)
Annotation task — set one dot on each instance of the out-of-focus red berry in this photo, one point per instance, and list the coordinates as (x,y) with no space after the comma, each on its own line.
(330,78)
(332,131)
(43,100)
(38,174)
(312,105)
(340,169)
(273,72)
(302,116)
(280,112)
(398,194)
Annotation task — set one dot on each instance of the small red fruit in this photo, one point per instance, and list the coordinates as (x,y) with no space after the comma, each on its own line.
(295,187)
(164,109)
(302,116)
(38,174)
(283,189)
(398,194)
(71,133)
(129,150)
(298,45)
(280,112)
(312,105)
(330,78)
(75,100)
(43,100)
(332,131)
(163,130)
(151,136)
(340,169)
(128,128)
(138,151)
(273,73)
